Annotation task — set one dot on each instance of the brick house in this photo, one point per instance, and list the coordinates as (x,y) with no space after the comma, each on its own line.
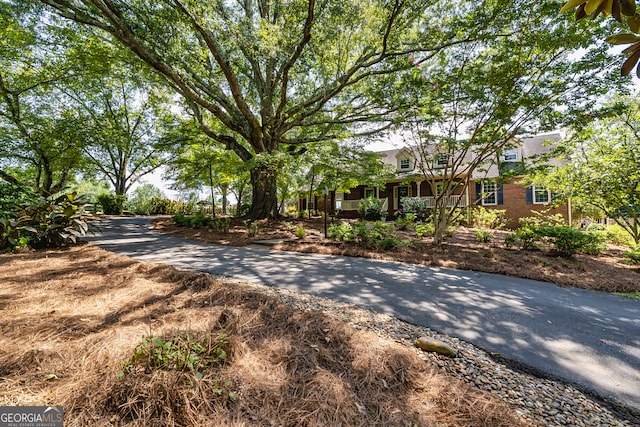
(487,186)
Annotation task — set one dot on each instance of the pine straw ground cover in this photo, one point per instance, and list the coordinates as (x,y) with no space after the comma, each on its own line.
(72,321)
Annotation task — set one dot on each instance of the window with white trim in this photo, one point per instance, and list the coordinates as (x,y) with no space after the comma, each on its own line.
(541,196)
(510,155)
(405,164)
(442,160)
(489,194)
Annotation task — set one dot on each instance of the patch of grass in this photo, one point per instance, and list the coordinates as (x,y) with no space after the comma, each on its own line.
(632,295)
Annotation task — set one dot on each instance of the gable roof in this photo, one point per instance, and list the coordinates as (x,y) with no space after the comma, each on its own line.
(528,148)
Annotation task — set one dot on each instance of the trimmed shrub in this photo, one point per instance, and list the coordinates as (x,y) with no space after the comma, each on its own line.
(568,241)
(197,221)
(376,235)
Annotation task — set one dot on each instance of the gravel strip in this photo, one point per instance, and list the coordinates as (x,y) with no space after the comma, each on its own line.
(542,401)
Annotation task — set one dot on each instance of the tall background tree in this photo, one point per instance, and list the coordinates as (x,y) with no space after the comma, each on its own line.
(40,145)
(474,101)
(601,167)
(200,165)
(129,130)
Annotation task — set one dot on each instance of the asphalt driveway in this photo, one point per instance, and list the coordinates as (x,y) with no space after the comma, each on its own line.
(587,338)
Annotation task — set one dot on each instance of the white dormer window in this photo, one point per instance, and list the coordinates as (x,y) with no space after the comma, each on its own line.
(405,160)
(442,160)
(511,155)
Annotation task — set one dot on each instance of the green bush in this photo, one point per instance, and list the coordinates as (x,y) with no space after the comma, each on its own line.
(539,219)
(408,220)
(617,235)
(53,221)
(243,209)
(181,219)
(371,209)
(483,236)
(12,196)
(112,204)
(569,241)
(252,228)
(633,255)
(376,235)
(222,224)
(171,207)
(423,229)
(379,235)
(525,237)
(142,201)
(416,206)
(343,232)
(194,221)
(301,232)
(200,220)
(489,218)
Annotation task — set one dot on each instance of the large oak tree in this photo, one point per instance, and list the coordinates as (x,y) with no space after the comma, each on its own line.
(281,73)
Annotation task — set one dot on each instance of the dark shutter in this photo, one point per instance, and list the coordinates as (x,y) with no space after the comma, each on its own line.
(478,193)
(500,196)
(529,195)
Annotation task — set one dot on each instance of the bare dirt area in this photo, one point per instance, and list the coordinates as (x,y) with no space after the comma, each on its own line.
(72,328)
(606,272)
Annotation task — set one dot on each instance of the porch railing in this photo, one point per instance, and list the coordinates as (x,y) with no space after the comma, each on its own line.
(354,205)
(455,200)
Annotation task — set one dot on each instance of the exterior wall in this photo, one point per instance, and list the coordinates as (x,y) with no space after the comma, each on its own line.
(515,203)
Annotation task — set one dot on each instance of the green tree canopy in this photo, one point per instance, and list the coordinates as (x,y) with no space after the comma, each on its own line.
(40,144)
(474,101)
(602,165)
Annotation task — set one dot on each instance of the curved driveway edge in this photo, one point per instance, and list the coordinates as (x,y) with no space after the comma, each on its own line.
(588,338)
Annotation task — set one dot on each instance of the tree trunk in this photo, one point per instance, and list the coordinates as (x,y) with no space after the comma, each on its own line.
(213,197)
(225,191)
(264,201)
(440,223)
